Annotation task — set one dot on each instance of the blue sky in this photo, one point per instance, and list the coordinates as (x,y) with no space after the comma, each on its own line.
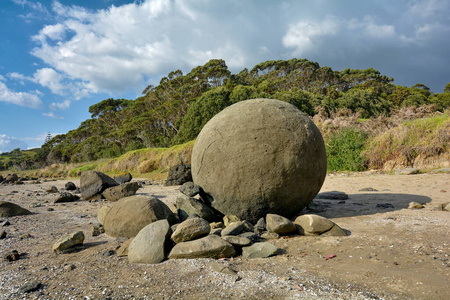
(59,57)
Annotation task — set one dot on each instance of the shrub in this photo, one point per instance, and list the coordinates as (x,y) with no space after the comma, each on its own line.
(344,147)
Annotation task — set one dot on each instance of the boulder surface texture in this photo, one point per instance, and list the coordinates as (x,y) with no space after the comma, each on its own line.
(259,156)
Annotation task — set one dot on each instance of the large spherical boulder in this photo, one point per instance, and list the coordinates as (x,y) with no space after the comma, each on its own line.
(259,156)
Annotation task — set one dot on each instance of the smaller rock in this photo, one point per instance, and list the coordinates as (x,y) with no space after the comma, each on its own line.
(211,246)
(270,235)
(259,250)
(415,205)
(191,229)
(3,234)
(69,267)
(108,253)
(70,186)
(334,231)
(52,189)
(368,189)
(236,228)
(253,237)
(215,225)
(8,209)
(260,225)
(35,204)
(179,174)
(279,224)
(313,224)
(188,206)
(123,178)
(446,207)
(30,287)
(120,191)
(68,241)
(333,195)
(407,171)
(237,240)
(97,229)
(66,197)
(228,219)
(190,189)
(13,256)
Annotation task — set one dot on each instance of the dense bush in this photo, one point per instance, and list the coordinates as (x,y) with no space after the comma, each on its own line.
(344,148)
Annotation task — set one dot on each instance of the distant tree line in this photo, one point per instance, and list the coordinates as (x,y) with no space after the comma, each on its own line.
(175,111)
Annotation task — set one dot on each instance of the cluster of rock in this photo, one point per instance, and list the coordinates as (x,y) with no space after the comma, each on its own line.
(196,230)
(15,179)
(95,185)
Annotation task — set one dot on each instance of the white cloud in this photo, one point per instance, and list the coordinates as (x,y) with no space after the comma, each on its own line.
(52,115)
(429,8)
(49,78)
(374,30)
(8,143)
(19,98)
(303,35)
(61,106)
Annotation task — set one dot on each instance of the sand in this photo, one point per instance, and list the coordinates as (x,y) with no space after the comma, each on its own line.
(391,253)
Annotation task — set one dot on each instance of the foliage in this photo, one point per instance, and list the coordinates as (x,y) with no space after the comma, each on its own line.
(344,148)
(175,110)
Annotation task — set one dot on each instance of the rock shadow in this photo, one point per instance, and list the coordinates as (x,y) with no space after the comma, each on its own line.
(363,204)
(83,247)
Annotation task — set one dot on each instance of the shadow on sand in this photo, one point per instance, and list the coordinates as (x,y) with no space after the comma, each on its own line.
(363,204)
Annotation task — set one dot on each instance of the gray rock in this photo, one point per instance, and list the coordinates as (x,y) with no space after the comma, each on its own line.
(368,189)
(441,170)
(93,183)
(190,189)
(8,209)
(68,241)
(236,228)
(228,219)
(11,178)
(30,287)
(260,225)
(130,214)
(191,229)
(407,171)
(179,174)
(279,224)
(237,240)
(253,237)
(446,207)
(334,231)
(70,186)
(52,189)
(121,191)
(332,195)
(150,245)
(66,197)
(97,229)
(188,206)
(259,250)
(313,224)
(259,156)
(267,235)
(415,205)
(211,246)
(123,178)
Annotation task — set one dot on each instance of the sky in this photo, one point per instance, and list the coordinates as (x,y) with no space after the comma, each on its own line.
(58,57)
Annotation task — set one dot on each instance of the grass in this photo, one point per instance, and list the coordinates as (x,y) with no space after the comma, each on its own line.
(425,137)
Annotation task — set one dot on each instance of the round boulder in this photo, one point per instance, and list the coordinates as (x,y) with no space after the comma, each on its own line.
(259,156)
(130,214)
